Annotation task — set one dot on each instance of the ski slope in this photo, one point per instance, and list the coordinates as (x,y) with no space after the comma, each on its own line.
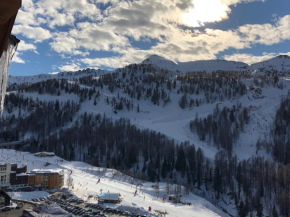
(85,184)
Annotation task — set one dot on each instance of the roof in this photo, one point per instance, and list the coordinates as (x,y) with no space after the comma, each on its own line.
(43,152)
(47,171)
(22,174)
(109,196)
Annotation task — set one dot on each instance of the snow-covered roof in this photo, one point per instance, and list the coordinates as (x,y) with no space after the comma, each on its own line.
(22,174)
(59,171)
(46,153)
(109,196)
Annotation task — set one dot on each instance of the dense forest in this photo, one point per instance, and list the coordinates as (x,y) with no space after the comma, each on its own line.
(281,132)
(222,128)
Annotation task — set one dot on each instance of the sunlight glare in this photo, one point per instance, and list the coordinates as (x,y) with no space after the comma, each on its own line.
(205,11)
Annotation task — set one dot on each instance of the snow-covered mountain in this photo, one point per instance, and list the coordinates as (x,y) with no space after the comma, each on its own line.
(243,107)
(195,66)
(280,63)
(61,75)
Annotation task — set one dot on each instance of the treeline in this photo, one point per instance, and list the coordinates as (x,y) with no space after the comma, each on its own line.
(221,128)
(216,86)
(281,132)
(39,119)
(257,186)
(56,87)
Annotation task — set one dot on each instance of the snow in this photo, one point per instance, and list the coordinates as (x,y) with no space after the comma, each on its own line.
(85,179)
(195,66)
(60,75)
(280,63)
(28,195)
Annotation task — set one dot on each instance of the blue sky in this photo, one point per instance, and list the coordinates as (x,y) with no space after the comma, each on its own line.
(70,35)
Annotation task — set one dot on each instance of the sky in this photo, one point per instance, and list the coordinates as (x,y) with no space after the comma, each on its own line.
(71,35)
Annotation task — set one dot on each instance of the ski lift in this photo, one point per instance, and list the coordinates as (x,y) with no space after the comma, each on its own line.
(8,42)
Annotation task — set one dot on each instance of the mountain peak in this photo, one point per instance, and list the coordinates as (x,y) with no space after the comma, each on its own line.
(156,60)
(280,63)
(283,56)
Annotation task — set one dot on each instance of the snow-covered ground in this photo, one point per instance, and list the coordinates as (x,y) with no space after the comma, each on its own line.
(61,75)
(28,195)
(85,183)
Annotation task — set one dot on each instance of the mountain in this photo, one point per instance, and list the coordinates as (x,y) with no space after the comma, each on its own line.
(61,75)
(212,65)
(280,63)
(161,62)
(156,126)
(195,66)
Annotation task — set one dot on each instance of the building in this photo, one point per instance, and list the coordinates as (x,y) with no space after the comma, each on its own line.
(18,176)
(109,198)
(44,154)
(5,170)
(47,178)
(31,180)
(22,169)
(174,198)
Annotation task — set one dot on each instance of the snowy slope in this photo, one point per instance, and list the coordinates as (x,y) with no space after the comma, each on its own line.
(174,122)
(280,63)
(195,66)
(85,183)
(61,75)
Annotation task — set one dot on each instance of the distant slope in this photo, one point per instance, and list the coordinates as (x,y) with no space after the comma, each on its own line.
(280,63)
(61,75)
(212,65)
(195,66)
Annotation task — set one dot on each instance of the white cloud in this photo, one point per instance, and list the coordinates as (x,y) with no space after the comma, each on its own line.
(70,67)
(23,46)
(17,59)
(38,34)
(123,21)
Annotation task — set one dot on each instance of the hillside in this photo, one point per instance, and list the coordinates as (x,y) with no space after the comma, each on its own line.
(85,179)
(280,64)
(60,75)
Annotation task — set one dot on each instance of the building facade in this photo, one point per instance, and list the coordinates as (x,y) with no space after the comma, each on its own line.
(5,170)
(48,178)
(16,177)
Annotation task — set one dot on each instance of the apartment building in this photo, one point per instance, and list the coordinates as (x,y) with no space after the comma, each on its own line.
(5,170)
(13,176)
(47,178)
